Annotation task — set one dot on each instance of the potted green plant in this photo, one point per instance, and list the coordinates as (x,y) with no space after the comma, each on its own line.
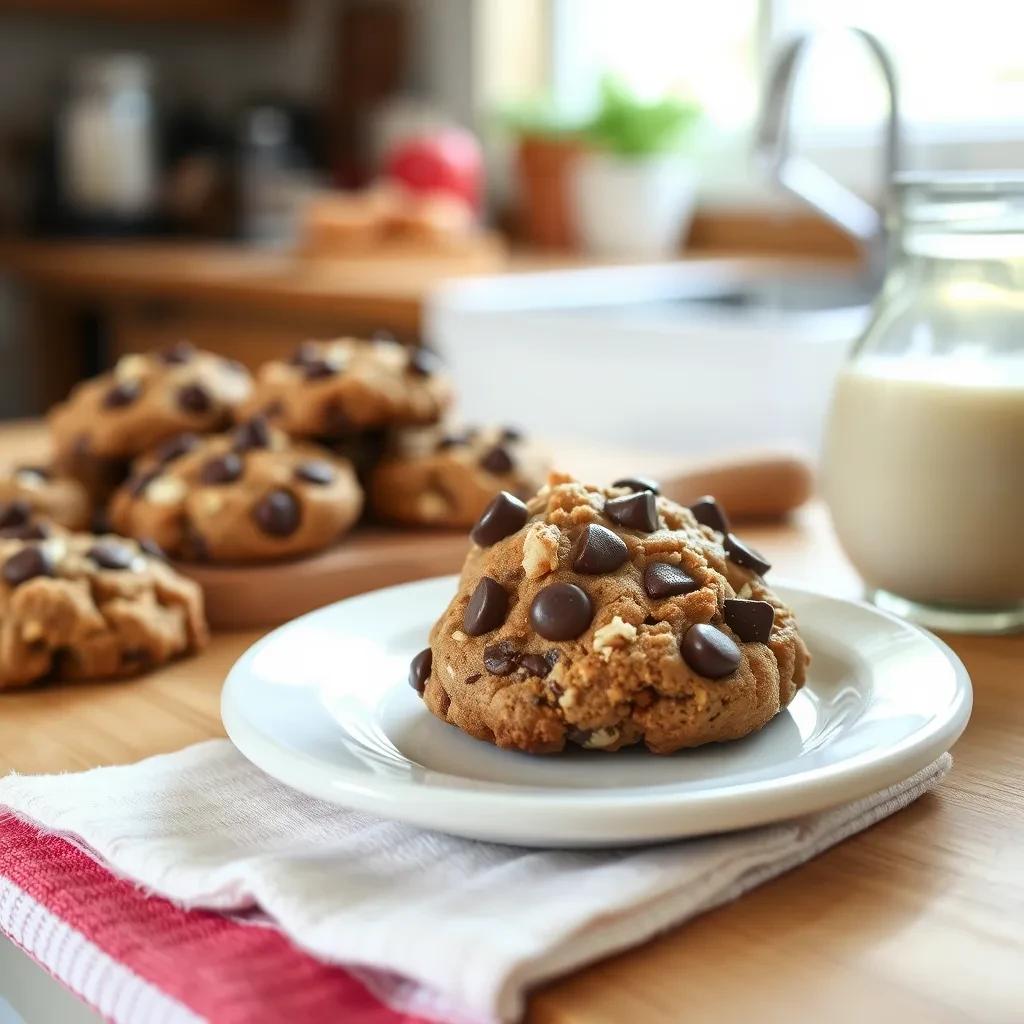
(634,189)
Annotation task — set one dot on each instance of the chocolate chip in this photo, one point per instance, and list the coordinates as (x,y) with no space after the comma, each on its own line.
(662,579)
(501,659)
(151,547)
(470,680)
(496,460)
(503,516)
(423,362)
(419,670)
(254,433)
(222,469)
(138,483)
(26,564)
(561,611)
(635,511)
(743,554)
(316,471)
(14,513)
(709,652)
(598,550)
(751,621)
(638,483)
(180,352)
(708,512)
(108,554)
(511,434)
(122,394)
(535,665)
(487,607)
(174,447)
(195,399)
(277,513)
(26,531)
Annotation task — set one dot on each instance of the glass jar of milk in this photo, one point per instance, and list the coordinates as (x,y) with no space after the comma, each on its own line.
(924,458)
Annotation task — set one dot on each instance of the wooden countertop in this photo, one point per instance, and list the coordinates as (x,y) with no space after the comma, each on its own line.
(921,918)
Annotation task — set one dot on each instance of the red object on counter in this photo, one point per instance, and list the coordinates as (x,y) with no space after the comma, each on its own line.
(447,161)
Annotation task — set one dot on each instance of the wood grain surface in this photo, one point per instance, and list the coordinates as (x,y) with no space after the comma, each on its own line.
(920,918)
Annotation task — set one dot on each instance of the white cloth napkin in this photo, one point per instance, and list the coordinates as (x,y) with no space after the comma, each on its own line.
(437,926)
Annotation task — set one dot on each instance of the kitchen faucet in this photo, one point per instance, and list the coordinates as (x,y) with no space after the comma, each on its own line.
(805,179)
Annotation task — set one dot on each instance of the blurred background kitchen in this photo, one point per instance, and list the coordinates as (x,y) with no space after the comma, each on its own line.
(249,173)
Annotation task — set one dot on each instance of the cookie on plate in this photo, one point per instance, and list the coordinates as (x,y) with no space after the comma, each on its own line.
(605,617)
(433,478)
(250,495)
(80,606)
(331,389)
(110,419)
(32,497)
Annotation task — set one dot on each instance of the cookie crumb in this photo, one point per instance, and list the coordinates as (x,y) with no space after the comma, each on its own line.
(616,634)
(540,550)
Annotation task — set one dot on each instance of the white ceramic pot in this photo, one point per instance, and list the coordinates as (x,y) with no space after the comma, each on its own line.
(635,208)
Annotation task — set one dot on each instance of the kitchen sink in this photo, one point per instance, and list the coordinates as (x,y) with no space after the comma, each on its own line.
(689,357)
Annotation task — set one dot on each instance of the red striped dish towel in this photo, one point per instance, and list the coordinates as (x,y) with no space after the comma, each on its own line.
(192,887)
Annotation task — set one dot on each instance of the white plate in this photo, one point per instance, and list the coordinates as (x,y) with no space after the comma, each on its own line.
(323,705)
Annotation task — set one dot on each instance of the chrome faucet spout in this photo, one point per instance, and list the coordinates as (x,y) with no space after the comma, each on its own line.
(802,177)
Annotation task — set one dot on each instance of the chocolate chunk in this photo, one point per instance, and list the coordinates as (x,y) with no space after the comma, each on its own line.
(26,531)
(470,680)
(138,483)
(751,621)
(14,513)
(174,447)
(638,483)
(26,564)
(277,513)
(122,394)
(637,511)
(535,665)
(708,512)
(108,554)
(503,516)
(501,659)
(195,399)
(487,607)
(496,460)
(743,554)
(153,549)
(316,471)
(598,550)
(254,433)
(662,579)
(419,670)
(423,362)
(222,469)
(511,434)
(180,352)
(709,652)
(561,611)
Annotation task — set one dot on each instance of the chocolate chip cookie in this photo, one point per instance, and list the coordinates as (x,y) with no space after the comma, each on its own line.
(331,389)
(110,419)
(605,617)
(80,606)
(32,498)
(250,495)
(434,478)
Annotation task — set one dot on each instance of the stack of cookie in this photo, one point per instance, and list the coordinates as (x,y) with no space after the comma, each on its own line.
(188,457)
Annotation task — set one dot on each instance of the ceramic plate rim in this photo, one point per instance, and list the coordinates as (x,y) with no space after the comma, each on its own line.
(847,779)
